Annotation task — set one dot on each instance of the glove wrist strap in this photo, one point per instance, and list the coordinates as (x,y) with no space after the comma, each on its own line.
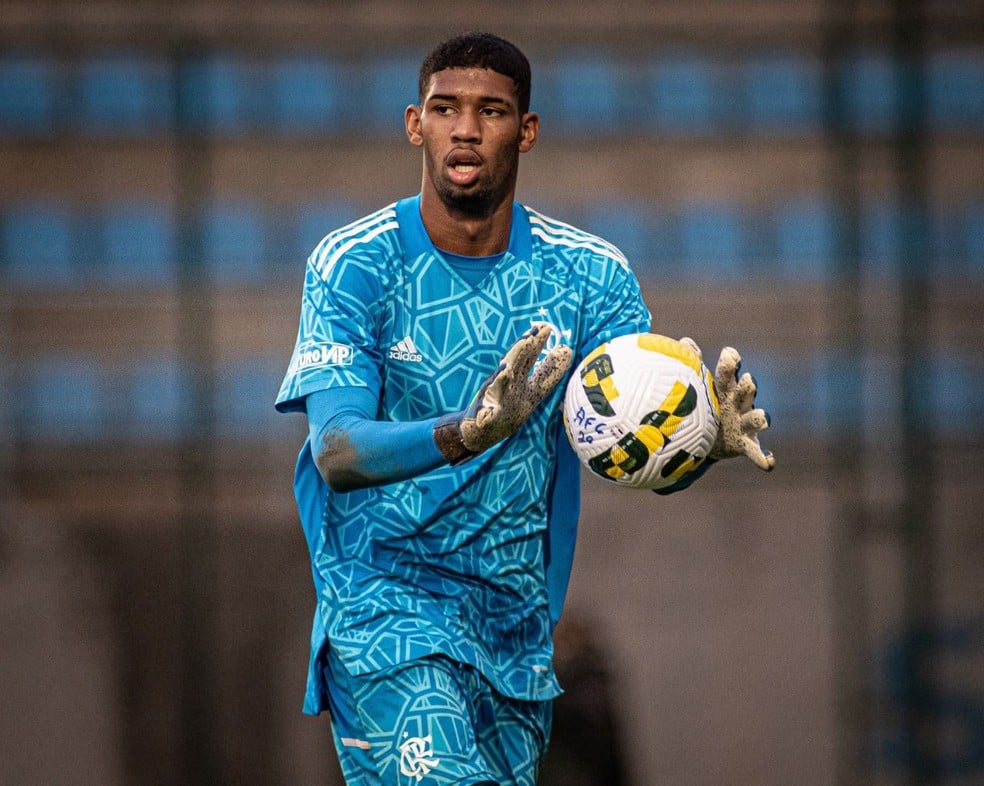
(447,437)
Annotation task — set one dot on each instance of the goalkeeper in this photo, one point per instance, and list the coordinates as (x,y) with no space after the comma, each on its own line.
(436,491)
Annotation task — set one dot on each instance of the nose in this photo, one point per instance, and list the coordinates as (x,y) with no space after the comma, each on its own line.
(467,127)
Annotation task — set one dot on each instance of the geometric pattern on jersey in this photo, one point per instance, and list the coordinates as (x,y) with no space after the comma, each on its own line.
(421,719)
(461,561)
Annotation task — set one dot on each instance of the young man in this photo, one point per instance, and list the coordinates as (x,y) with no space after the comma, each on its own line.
(439,502)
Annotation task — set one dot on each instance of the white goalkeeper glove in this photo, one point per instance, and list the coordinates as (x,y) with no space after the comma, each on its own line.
(506,398)
(738,434)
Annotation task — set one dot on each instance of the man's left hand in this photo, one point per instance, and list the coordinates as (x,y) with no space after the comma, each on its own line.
(741,422)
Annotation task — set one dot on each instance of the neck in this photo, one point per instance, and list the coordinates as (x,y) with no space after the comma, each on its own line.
(465,234)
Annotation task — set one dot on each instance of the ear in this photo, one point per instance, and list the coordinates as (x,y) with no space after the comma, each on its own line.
(411,119)
(529,130)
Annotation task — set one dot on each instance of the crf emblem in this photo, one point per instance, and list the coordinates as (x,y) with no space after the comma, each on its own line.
(417,757)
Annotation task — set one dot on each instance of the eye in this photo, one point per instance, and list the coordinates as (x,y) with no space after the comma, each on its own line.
(491,111)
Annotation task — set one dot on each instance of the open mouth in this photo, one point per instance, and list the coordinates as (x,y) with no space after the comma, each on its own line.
(463,166)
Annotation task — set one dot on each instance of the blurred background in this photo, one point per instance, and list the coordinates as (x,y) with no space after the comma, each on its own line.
(803,180)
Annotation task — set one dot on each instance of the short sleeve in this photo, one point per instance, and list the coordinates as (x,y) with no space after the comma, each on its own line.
(616,308)
(336,338)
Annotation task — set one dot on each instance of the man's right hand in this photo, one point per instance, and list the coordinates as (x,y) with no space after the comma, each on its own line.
(506,398)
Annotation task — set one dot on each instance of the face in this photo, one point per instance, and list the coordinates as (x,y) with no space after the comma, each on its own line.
(471,133)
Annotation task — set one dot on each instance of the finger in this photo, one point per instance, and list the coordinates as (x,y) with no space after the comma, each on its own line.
(551,370)
(483,415)
(727,369)
(745,392)
(692,345)
(523,354)
(497,385)
(763,459)
(754,421)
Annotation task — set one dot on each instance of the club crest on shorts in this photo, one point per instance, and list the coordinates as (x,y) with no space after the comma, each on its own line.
(417,757)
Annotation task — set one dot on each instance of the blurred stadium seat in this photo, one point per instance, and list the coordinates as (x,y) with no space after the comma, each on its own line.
(246,390)
(39,244)
(869,81)
(806,238)
(63,400)
(124,94)
(673,92)
(973,238)
(952,404)
(137,244)
(713,239)
(234,240)
(156,400)
(224,93)
(787,391)
(28,85)
(880,224)
(308,95)
(835,385)
(581,93)
(955,86)
(783,94)
(624,223)
(391,85)
(683,95)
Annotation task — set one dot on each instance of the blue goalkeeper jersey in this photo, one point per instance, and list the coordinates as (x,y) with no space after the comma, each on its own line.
(470,561)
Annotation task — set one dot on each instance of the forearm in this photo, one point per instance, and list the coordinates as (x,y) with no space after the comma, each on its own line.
(353,450)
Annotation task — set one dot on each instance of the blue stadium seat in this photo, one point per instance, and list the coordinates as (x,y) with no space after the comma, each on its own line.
(626,224)
(582,95)
(28,86)
(391,86)
(863,393)
(124,94)
(870,86)
(137,244)
(783,381)
(39,244)
(946,247)
(956,90)
(64,401)
(950,383)
(684,96)
(973,238)
(880,238)
(156,402)
(806,238)
(713,240)
(836,386)
(890,237)
(783,94)
(234,242)
(955,384)
(309,95)
(246,391)
(225,94)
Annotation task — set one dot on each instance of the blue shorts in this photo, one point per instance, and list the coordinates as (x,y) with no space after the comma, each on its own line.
(433,721)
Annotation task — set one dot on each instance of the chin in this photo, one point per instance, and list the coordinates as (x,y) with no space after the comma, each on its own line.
(478,203)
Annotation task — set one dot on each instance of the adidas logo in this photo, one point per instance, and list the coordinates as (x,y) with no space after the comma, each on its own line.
(406,350)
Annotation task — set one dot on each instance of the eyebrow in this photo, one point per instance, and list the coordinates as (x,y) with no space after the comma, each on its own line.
(481,99)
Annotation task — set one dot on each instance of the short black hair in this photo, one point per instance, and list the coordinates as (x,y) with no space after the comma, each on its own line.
(479,50)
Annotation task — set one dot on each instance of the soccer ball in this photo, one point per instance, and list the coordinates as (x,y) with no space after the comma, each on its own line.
(641,410)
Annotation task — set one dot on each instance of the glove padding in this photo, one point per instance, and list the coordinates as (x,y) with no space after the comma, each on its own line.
(740,423)
(506,398)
